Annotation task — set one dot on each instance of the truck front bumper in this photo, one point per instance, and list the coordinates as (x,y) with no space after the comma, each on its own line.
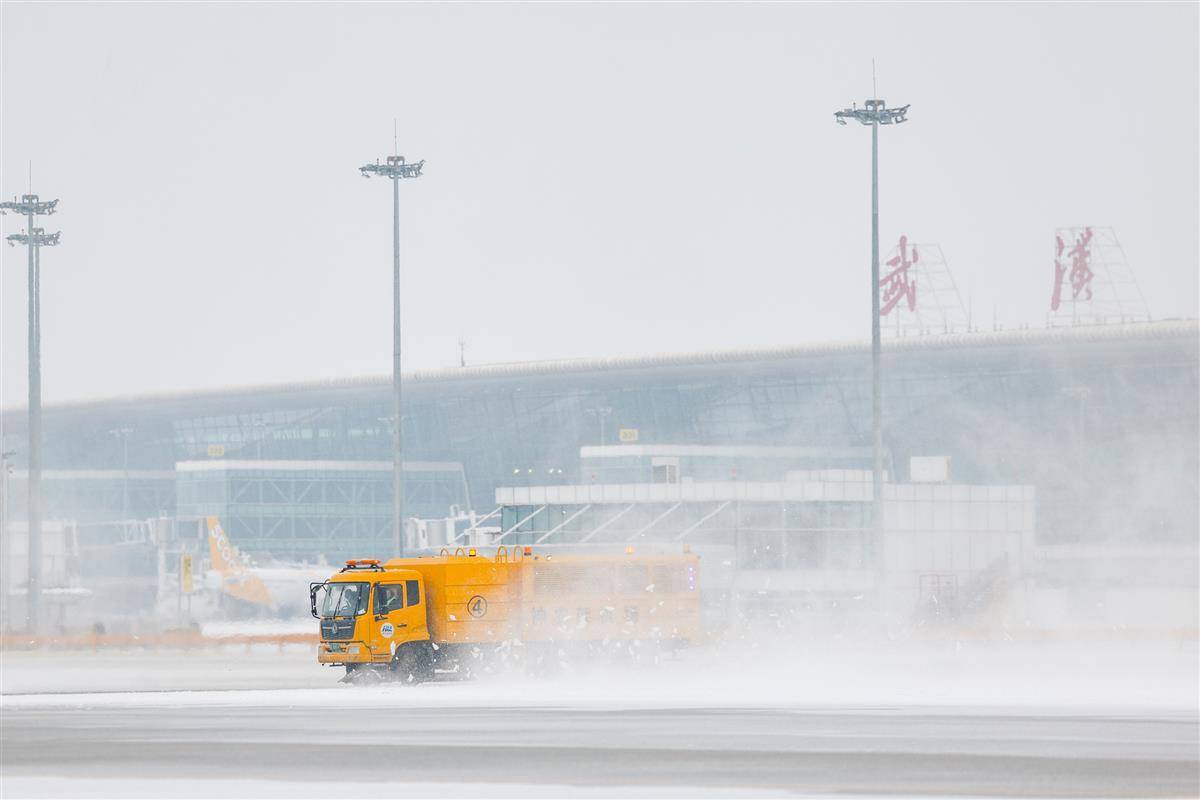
(343,653)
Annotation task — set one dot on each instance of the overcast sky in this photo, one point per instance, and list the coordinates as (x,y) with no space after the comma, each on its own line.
(600,179)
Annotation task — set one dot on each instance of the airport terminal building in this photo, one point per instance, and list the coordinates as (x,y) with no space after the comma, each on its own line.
(1102,422)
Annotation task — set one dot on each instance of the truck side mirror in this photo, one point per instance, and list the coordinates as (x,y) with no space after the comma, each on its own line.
(312,598)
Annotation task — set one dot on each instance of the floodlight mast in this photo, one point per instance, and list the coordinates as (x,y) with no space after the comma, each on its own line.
(875,113)
(30,206)
(396,170)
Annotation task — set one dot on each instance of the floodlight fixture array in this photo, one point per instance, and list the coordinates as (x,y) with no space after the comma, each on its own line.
(395,168)
(29,205)
(873,112)
(39,238)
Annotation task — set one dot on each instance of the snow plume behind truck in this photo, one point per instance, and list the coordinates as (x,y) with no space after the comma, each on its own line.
(411,618)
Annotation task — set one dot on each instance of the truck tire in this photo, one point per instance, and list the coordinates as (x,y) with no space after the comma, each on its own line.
(413,663)
(360,674)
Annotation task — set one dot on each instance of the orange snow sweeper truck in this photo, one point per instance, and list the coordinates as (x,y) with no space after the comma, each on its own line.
(410,619)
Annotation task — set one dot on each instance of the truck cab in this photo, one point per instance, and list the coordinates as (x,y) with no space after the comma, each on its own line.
(372,615)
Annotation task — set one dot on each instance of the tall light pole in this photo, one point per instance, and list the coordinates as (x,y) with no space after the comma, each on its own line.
(34,239)
(396,170)
(875,113)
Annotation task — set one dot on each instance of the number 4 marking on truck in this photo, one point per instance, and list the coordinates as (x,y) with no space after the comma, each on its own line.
(477,606)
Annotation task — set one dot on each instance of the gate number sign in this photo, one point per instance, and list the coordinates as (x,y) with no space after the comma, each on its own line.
(477,606)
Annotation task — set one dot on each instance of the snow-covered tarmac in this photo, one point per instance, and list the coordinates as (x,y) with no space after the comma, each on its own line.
(953,721)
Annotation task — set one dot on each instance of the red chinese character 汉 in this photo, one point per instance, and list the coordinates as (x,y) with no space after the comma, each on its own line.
(897,285)
(1081,271)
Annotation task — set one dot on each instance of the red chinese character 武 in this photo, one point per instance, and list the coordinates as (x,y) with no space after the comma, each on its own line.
(897,285)
(1081,270)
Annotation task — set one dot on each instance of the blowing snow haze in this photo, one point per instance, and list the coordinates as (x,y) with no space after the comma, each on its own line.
(625,499)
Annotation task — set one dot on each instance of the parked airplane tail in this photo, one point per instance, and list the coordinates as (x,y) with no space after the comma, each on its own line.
(236,580)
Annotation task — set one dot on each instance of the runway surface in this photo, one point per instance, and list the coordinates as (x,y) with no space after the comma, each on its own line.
(1001,720)
(104,745)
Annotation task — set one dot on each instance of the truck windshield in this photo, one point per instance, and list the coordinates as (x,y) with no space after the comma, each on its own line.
(341,599)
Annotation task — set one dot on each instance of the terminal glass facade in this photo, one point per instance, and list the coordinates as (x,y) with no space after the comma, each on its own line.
(1102,421)
(306,509)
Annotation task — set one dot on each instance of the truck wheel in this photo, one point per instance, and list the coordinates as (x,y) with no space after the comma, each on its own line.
(413,663)
(359,674)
